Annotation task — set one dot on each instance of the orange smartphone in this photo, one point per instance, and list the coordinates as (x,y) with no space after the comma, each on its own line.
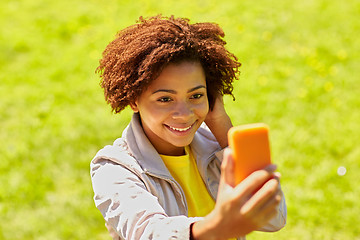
(251,149)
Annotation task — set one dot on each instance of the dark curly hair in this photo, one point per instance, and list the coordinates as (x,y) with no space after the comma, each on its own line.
(140,52)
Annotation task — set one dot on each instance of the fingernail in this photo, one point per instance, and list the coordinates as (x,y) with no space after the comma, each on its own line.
(271,167)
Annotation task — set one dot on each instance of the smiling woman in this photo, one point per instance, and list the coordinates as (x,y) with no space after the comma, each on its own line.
(162,178)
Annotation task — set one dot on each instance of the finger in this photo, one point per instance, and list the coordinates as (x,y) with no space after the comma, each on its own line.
(262,197)
(271,209)
(220,99)
(229,168)
(255,180)
(224,166)
(275,200)
(266,194)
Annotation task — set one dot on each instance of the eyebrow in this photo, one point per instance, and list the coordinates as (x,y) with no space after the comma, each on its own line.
(174,92)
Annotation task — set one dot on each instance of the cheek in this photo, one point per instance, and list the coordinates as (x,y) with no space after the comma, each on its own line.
(156,113)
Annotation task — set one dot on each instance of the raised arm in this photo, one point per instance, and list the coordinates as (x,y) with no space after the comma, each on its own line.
(249,206)
(219,122)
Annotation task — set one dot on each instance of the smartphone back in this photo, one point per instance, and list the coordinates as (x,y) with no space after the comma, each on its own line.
(251,149)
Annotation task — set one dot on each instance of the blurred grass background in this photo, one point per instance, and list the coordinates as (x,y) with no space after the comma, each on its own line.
(299,75)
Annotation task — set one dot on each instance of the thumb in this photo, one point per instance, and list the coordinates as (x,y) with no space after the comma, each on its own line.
(227,168)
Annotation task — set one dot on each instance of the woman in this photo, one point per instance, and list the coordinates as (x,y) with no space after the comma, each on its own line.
(162,179)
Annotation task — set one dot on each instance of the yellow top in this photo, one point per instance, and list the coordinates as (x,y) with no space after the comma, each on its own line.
(185,172)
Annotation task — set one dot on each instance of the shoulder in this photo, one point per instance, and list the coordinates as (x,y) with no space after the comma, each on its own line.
(116,154)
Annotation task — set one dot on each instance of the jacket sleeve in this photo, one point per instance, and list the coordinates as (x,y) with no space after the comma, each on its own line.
(131,210)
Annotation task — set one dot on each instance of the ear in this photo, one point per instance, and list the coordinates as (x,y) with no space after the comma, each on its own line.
(134,106)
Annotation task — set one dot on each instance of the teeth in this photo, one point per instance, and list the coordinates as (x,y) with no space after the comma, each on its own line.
(180,129)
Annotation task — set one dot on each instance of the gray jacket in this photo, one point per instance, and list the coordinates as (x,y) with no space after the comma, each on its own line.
(137,195)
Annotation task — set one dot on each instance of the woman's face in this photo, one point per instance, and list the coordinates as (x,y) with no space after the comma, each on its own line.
(173,107)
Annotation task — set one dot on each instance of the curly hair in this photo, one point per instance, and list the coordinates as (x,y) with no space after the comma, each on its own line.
(140,52)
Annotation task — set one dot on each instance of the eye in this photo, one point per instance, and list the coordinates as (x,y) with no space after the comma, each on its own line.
(164,99)
(197,96)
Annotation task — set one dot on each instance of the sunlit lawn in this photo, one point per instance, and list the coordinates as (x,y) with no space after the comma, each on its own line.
(299,75)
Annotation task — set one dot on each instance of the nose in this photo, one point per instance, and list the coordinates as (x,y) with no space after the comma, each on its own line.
(183,110)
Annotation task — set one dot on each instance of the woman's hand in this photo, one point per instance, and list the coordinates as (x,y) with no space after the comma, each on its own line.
(218,113)
(241,209)
(219,122)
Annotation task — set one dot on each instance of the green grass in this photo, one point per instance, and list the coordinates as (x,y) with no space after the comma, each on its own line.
(299,75)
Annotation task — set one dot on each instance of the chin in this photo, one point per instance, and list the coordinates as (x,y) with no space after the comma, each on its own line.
(184,143)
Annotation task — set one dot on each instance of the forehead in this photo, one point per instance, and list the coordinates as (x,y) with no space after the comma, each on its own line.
(180,75)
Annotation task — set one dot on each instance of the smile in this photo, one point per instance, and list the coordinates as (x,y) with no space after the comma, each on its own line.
(181,130)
